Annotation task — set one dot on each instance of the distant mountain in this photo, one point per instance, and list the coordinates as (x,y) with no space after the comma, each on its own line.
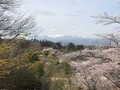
(67,39)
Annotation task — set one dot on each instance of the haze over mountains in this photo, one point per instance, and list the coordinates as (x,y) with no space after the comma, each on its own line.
(67,39)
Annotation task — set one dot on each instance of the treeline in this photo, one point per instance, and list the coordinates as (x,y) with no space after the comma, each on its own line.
(41,44)
(58,45)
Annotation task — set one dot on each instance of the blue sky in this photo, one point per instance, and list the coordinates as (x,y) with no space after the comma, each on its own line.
(70,17)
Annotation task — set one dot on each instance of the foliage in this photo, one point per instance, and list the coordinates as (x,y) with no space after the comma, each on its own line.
(37,69)
(46,53)
(70,47)
(33,56)
(26,68)
(67,68)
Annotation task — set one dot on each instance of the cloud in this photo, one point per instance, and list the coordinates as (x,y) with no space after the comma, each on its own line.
(74,2)
(55,35)
(70,14)
(81,12)
(45,12)
(52,30)
(73,31)
(77,13)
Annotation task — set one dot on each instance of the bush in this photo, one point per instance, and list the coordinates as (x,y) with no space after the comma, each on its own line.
(20,79)
(46,53)
(33,57)
(67,69)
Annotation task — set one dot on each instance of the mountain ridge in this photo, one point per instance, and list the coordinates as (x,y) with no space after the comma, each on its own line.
(67,39)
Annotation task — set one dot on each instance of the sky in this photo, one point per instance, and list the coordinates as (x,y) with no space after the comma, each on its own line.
(70,17)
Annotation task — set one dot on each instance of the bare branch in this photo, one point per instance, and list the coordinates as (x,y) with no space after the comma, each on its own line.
(9,4)
(114,37)
(11,25)
(106,19)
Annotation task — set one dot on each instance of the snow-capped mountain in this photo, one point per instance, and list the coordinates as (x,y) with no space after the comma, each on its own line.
(66,39)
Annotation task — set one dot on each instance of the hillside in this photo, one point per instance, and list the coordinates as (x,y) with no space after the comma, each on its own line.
(37,65)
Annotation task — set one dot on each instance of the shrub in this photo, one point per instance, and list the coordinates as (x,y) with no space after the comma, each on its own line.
(33,56)
(67,68)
